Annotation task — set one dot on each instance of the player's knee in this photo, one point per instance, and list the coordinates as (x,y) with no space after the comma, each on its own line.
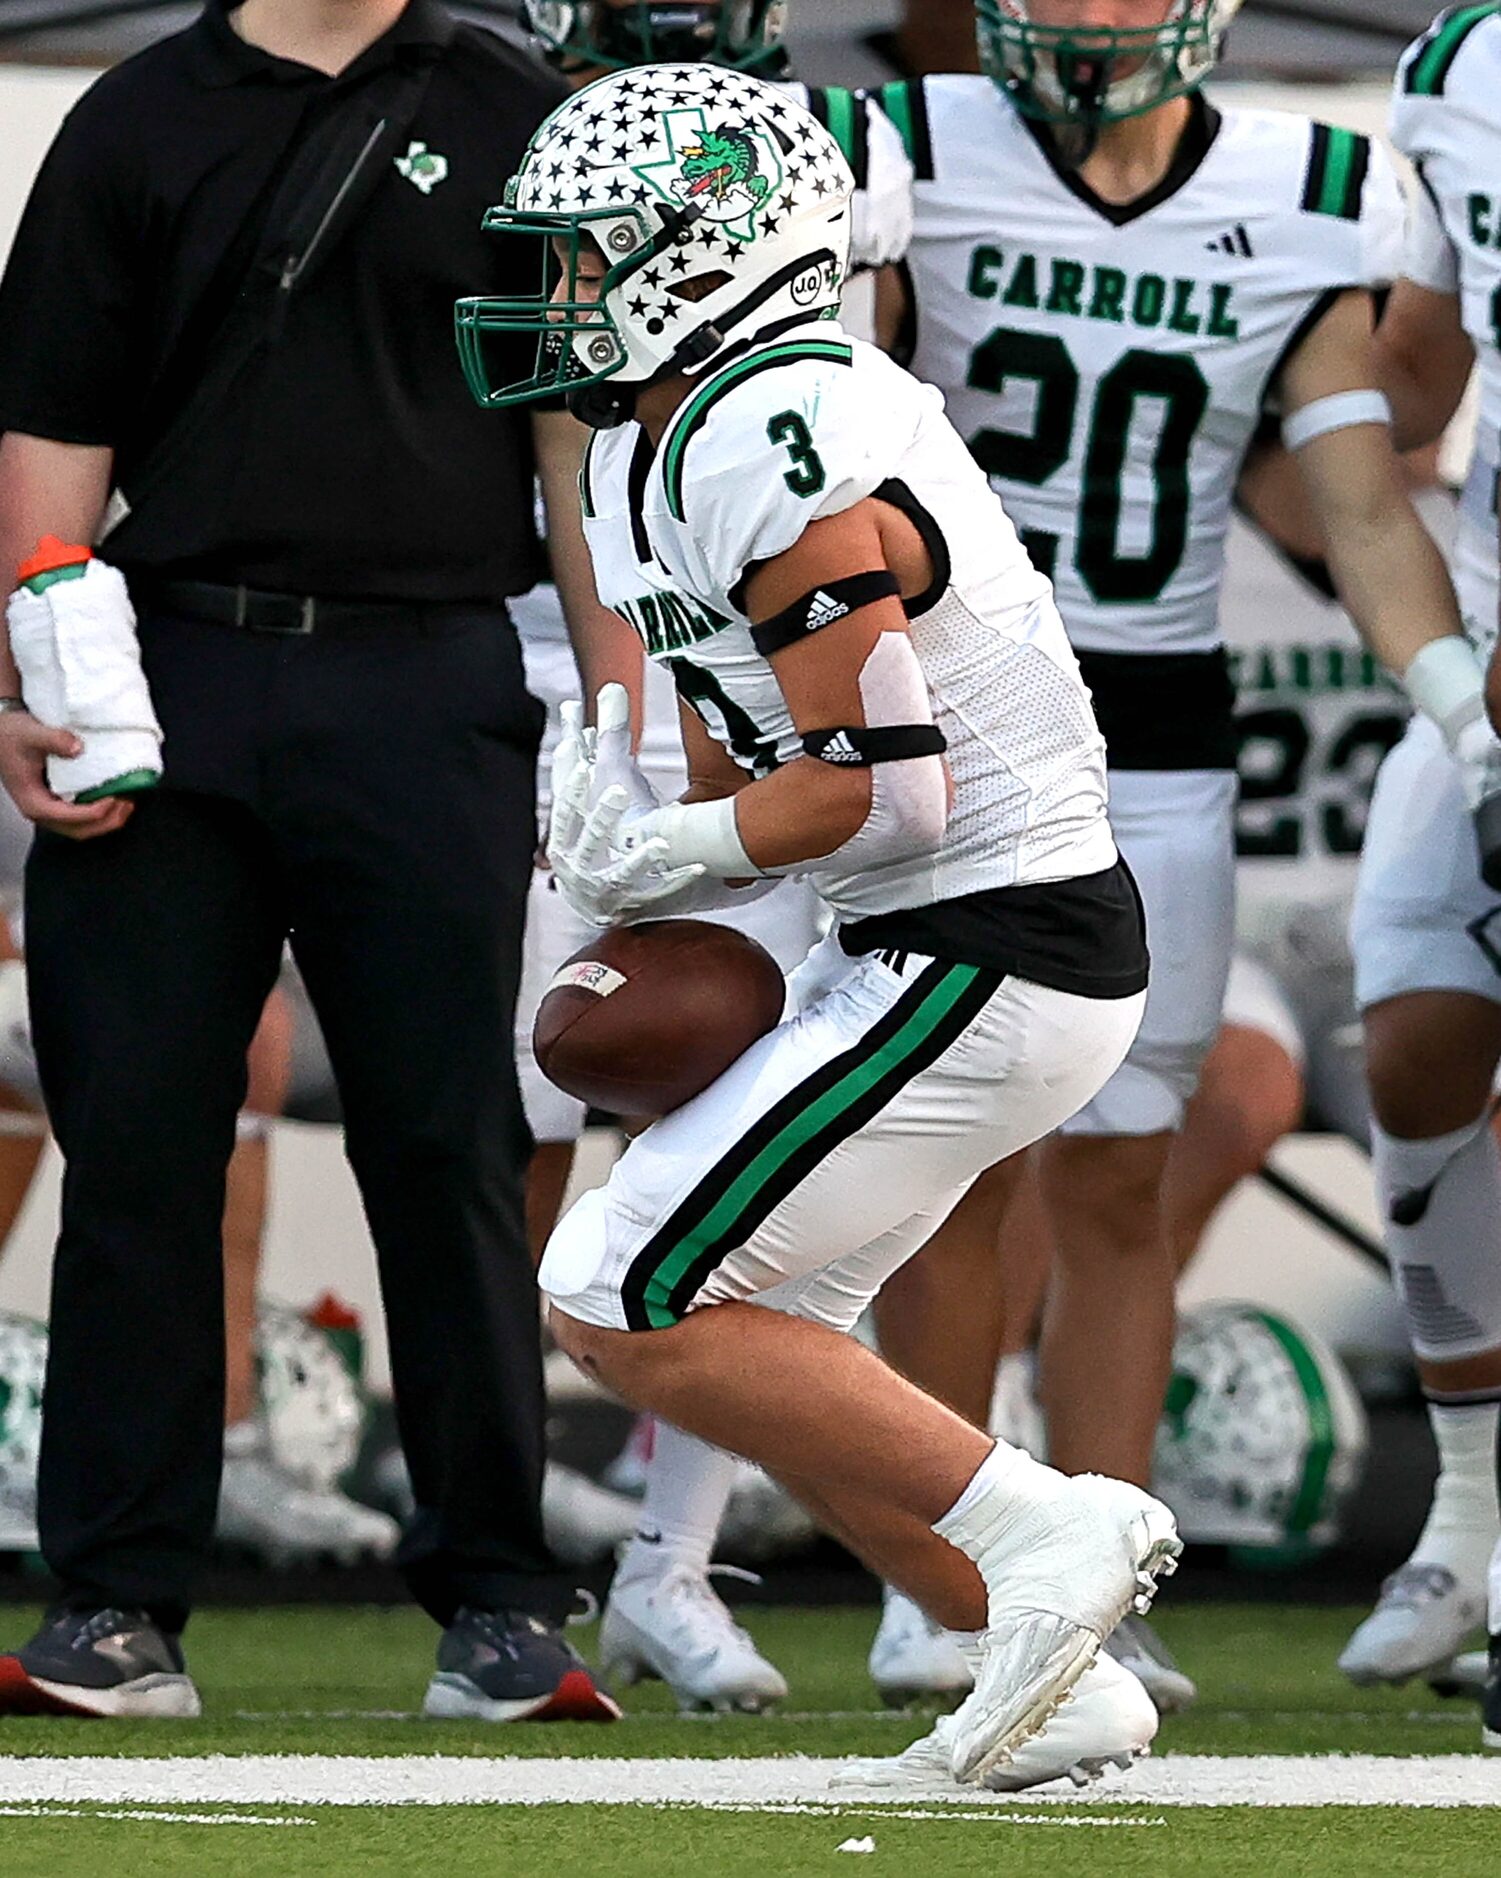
(591,1346)
(1430,1060)
(1105,1197)
(1250,1096)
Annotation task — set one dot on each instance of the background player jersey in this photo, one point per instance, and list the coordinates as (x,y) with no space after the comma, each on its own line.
(1446,116)
(803,429)
(880,226)
(1108,365)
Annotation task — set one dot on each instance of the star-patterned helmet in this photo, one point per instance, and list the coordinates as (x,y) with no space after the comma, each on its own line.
(586,35)
(720,209)
(1081,76)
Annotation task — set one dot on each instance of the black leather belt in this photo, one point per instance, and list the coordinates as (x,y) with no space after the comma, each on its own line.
(254,610)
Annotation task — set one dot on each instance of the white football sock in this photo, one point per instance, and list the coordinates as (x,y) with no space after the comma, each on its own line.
(1006,1486)
(688,1484)
(1494,1613)
(1464,1508)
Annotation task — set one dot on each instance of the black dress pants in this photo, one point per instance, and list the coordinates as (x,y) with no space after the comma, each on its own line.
(371,795)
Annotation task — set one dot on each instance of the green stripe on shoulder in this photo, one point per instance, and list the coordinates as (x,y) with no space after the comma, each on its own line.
(905,102)
(1428,72)
(1334,181)
(692,416)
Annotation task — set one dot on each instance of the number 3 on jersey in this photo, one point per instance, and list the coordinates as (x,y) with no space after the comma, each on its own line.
(806,477)
(1170,381)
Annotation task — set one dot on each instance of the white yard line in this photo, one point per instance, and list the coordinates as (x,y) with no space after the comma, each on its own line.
(447,1780)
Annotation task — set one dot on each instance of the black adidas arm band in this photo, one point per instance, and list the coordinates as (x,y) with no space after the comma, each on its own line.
(859,746)
(822,606)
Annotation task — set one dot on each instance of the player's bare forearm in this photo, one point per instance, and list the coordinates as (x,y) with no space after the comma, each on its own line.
(795,814)
(605,649)
(46,488)
(1423,360)
(1390,575)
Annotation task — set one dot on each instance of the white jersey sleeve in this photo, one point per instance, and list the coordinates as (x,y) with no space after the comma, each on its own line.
(750,467)
(1446,117)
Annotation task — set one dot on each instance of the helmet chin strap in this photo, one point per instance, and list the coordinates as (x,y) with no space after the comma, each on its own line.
(1084,81)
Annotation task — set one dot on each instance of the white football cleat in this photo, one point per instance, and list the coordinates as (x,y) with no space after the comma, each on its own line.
(1059,1576)
(912,1659)
(1422,1620)
(672,1625)
(266,1509)
(1136,1646)
(583,1521)
(1108,1720)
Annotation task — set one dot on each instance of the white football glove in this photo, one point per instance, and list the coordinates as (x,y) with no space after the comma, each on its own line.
(598,790)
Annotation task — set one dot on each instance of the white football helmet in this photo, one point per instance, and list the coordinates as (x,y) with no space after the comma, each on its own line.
(720,207)
(23,1362)
(314,1408)
(1263,1438)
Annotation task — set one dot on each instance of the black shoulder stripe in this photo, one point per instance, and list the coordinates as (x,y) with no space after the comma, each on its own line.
(1334,181)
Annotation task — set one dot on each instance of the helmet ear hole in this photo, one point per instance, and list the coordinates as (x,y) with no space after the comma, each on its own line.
(699,286)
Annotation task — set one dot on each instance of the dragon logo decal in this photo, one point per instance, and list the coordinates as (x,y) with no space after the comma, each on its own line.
(731,171)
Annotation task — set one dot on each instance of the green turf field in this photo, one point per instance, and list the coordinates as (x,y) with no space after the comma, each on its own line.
(344,1683)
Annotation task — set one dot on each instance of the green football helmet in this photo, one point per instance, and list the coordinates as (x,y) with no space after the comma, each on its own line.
(1079,76)
(581,35)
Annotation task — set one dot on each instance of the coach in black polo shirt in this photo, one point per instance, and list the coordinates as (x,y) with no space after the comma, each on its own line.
(228,304)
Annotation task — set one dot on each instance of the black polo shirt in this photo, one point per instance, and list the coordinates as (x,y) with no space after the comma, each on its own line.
(350,459)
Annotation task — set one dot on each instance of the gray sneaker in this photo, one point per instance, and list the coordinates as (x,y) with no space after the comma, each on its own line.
(102,1664)
(1136,1646)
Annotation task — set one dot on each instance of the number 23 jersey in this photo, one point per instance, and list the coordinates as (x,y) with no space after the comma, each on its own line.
(1107,365)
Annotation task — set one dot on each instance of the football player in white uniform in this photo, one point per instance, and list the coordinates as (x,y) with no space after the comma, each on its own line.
(1427,929)
(662,1616)
(1109,279)
(885,704)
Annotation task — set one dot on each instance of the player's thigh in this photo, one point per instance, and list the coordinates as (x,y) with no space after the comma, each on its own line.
(1176,831)
(1423,919)
(877,1102)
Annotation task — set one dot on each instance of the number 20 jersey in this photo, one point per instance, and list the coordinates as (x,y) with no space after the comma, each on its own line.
(1107,366)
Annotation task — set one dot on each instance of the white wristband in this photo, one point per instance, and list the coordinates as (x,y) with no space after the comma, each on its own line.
(699,834)
(1446,683)
(1340,411)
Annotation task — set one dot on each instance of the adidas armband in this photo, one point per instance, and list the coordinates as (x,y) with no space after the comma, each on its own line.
(1340,411)
(833,600)
(859,746)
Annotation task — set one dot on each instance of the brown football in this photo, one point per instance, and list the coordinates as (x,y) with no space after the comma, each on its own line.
(644,1017)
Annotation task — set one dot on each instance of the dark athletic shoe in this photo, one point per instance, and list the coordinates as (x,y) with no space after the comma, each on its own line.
(99,1664)
(504,1666)
(1491,1710)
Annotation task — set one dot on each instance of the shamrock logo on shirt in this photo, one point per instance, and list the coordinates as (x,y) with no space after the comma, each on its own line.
(424,169)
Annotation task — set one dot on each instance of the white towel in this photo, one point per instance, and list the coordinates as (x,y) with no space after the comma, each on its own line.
(75,647)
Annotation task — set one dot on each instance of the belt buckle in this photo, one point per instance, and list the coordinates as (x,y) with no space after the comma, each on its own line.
(307,614)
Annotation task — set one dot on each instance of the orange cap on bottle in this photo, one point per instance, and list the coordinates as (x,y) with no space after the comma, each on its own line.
(50,555)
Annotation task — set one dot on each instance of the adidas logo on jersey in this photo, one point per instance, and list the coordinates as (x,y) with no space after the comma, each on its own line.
(823,610)
(1233,241)
(839,749)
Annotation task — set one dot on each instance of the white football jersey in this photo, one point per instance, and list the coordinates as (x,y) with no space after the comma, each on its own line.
(1108,365)
(1446,116)
(783,436)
